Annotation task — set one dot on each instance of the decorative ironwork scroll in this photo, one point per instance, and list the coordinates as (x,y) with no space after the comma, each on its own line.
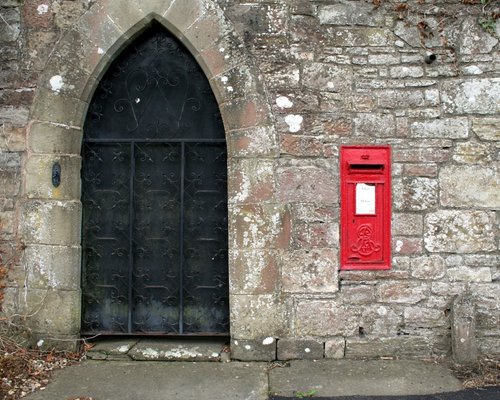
(154,197)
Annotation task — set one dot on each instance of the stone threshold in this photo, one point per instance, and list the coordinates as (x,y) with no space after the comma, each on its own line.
(160,349)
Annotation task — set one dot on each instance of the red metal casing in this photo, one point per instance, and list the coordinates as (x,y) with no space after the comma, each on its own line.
(365,233)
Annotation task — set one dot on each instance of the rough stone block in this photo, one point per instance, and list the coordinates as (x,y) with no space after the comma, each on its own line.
(489,346)
(407,245)
(463,329)
(359,294)
(477,96)
(245,113)
(378,125)
(56,108)
(406,72)
(379,320)
(54,312)
(407,224)
(474,39)
(464,231)
(39,177)
(173,350)
(450,128)
(415,194)
(253,272)
(469,274)
(324,318)
(258,316)
(52,138)
(251,181)
(401,99)
(470,186)
(401,292)
(307,181)
(486,128)
(399,346)
(420,317)
(305,271)
(52,222)
(301,349)
(360,37)
(350,14)
(428,267)
(253,350)
(264,226)
(473,153)
(56,267)
(326,77)
(335,348)
(255,142)
(12,138)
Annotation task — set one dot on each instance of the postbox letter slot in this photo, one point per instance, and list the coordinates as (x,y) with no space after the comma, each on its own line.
(377,168)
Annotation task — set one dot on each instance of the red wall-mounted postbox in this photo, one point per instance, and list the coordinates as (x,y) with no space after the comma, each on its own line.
(365,173)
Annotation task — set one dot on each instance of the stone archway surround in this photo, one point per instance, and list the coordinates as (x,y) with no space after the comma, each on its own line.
(51,217)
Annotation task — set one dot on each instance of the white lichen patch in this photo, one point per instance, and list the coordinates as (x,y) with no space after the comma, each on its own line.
(100,51)
(307,350)
(248,347)
(42,9)
(399,246)
(283,102)
(230,89)
(56,83)
(294,122)
(267,341)
(123,349)
(150,353)
(224,79)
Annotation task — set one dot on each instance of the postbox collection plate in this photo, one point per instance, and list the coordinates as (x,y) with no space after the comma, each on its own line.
(365,173)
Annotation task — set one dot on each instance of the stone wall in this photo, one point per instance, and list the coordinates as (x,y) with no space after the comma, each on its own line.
(334,72)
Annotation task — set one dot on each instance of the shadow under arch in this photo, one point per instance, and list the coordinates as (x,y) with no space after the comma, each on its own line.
(50,216)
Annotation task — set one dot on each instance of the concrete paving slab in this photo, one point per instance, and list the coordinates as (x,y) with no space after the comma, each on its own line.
(131,380)
(330,378)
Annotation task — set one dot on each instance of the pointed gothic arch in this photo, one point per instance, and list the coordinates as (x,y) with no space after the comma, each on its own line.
(51,216)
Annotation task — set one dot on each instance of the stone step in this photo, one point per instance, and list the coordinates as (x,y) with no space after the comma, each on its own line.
(160,349)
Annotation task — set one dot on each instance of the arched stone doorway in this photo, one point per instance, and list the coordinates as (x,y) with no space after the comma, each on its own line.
(154,197)
(51,216)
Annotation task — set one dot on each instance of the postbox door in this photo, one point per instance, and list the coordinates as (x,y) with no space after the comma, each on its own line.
(365,208)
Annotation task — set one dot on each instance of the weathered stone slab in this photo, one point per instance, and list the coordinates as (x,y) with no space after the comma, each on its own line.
(401,292)
(478,96)
(398,346)
(358,37)
(39,177)
(421,317)
(305,271)
(259,316)
(54,138)
(51,311)
(379,320)
(463,329)
(301,349)
(253,350)
(450,128)
(335,348)
(178,350)
(326,77)
(474,39)
(52,222)
(324,318)
(253,272)
(428,267)
(459,231)
(469,274)
(251,181)
(415,194)
(57,267)
(407,224)
(486,128)
(371,124)
(473,153)
(351,14)
(470,186)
